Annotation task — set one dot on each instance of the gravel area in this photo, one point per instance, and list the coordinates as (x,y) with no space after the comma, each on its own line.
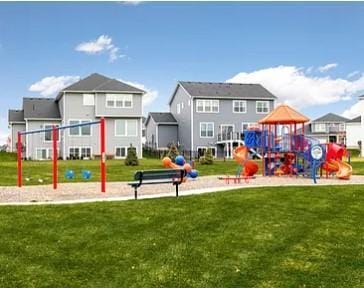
(86,192)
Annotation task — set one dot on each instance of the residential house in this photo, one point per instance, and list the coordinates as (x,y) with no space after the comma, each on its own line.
(213,115)
(161,130)
(328,128)
(354,133)
(85,101)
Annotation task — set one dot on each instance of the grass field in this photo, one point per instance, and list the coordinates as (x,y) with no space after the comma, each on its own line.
(287,237)
(116,170)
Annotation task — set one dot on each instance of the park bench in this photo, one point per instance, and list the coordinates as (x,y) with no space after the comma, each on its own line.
(161,176)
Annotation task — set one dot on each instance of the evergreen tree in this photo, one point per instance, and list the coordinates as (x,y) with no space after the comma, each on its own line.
(207,158)
(131,159)
(173,152)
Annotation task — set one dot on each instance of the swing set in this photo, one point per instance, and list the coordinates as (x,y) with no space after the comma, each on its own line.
(55,133)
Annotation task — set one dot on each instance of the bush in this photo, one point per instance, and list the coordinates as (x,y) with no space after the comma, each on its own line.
(173,152)
(207,158)
(131,159)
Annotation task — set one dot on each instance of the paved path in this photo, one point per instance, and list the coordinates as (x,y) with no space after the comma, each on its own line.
(89,192)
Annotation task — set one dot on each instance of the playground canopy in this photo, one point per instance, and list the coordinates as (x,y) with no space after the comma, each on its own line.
(284,114)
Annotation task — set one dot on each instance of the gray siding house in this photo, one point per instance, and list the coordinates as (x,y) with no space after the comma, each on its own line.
(87,100)
(328,128)
(161,130)
(215,114)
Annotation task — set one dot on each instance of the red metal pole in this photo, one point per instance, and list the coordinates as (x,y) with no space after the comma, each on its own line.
(55,156)
(19,151)
(103,155)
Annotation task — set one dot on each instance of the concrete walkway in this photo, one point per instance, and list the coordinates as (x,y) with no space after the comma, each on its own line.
(69,193)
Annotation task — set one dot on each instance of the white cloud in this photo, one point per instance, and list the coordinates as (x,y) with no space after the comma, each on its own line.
(103,44)
(327,67)
(293,86)
(150,94)
(353,74)
(134,3)
(49,86)
(4,131)
(355,110)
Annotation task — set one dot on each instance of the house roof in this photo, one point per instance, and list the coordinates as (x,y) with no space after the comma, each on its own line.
(284,114)
(99,83)
(16,116)
(40,108)
(225,90)
(355,120)
(331,117)
(162,117)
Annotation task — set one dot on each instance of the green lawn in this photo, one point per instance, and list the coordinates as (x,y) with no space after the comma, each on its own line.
(287,237)
(116,170)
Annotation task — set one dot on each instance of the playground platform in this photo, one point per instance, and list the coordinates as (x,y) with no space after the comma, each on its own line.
(69,193)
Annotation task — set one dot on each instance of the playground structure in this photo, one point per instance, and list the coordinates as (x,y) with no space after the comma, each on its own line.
(287,151)
(180,163)
(55,141)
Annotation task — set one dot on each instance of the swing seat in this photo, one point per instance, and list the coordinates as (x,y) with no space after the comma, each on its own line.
(86,174)
(69,174)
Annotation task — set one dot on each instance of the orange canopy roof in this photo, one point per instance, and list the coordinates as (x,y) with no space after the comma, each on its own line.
(284,114)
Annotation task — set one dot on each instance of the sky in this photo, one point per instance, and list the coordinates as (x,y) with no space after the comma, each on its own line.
(310,55)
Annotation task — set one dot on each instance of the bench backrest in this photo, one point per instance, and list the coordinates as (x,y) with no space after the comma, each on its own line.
(177,174)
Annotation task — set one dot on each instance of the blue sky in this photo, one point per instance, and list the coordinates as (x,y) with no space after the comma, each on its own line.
(308,54)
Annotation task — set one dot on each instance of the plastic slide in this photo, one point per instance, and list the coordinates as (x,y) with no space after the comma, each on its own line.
(334,164)
(344,169)
(249,166)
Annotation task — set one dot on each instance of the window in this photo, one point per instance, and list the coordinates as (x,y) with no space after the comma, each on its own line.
(207,106)
(85,152)
(124,127)
(80,130)
(202,150)
(48,135)
(239,106)
(342,127)
(178,108)
(119,100)
(182,105)
(262,107)
(88,99)
(76,153)
(44,153)
(320,127)
(121,152)
(206,129)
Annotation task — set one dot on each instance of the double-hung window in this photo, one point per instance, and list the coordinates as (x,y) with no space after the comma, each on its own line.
(207,129)
(262,107)
(121,152)
(48,135)
(126,127)
(88,99)
(80,130)
(207,106)
(239,106)
(119,100)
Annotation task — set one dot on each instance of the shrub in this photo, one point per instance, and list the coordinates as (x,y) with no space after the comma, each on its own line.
(207,158)
(131,159)
(173,152)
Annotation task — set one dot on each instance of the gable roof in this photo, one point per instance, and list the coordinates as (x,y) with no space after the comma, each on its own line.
(99,83)
(16,116)
(355,120)
(224,90)
(284,114)
(40,108)
(162,117)
(331,117)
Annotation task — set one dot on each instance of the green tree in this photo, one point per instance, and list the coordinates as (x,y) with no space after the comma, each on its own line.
(132,158)
(173,152)
(207,158)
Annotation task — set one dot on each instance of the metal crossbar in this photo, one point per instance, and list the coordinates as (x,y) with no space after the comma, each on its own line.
(58,128)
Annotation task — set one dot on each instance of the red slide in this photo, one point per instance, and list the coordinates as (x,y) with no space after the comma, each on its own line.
(250,167)
(334,163)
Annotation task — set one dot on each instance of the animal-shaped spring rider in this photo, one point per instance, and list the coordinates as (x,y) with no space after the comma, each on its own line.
(180,163)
